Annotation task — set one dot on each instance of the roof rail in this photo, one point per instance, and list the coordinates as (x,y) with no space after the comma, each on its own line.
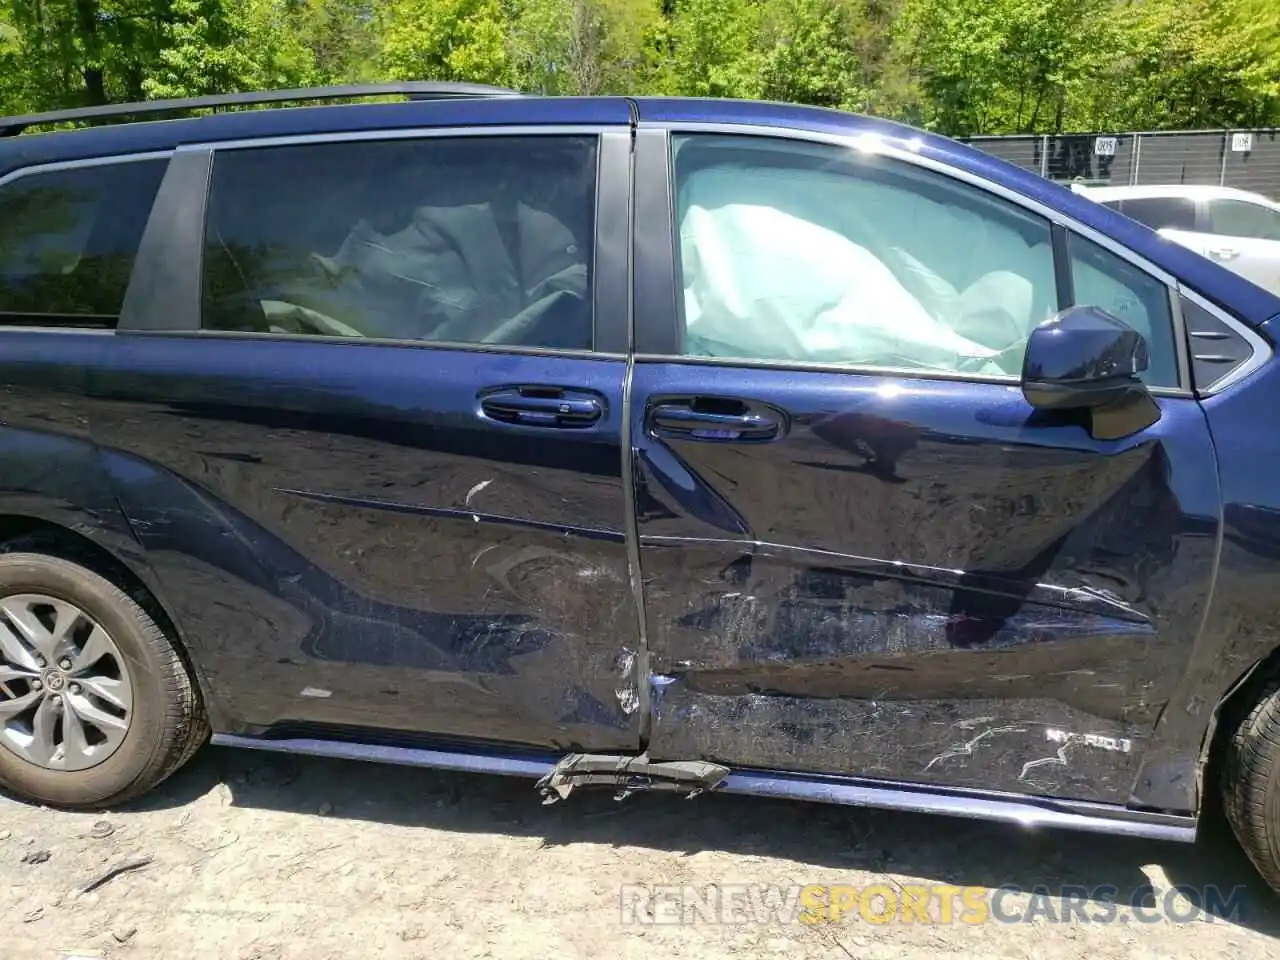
(413,89)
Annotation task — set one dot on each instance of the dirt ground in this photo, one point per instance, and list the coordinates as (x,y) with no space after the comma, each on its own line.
(251,856)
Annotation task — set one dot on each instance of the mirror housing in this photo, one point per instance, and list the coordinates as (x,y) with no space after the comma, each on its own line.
(1081,359)
(1085,359)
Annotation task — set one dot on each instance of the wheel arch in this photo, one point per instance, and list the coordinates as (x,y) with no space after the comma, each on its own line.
(1230,707)
(112,554)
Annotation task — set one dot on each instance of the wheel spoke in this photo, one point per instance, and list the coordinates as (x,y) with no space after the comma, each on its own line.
(75,745)
(11,708)
(20,614)
(88,710)
(8,672)
(65,619)
(14,650)
(115,692)
(43,746)
(97,646)
(112,728)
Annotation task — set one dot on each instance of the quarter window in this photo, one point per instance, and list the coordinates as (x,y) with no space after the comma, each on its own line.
(1102,279)
(1236,218)
(68,241)
(462,240)
(816,253)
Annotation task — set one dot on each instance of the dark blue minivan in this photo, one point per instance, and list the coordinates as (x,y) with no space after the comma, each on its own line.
(650,444)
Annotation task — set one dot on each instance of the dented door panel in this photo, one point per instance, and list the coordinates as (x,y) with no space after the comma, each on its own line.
(411,565)
(918,580)
(395,535)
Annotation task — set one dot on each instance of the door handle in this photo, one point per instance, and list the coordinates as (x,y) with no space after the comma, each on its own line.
(541,407)
(1224,253)
(685,420)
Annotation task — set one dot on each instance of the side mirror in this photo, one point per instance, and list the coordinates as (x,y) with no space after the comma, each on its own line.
(1085,359)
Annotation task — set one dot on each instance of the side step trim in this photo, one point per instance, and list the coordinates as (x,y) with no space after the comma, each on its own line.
(1032,812)
(1004,808)
(508,765)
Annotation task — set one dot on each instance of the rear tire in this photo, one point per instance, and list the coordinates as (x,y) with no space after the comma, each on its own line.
(1250,781)
(160,709)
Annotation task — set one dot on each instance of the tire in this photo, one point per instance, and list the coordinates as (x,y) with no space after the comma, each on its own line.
(166,720)
(1250,781)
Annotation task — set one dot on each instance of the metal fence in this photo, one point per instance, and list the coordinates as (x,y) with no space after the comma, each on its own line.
(1248,159)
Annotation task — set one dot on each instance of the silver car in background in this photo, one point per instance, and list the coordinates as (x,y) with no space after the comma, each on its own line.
(1239,229)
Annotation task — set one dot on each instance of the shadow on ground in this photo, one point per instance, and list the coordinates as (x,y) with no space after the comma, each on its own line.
(931,849)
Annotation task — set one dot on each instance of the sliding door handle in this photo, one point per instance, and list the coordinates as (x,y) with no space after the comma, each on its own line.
(542,407)
(687,421)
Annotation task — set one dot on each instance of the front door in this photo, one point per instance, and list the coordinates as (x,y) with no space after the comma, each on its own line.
(378,464)
(863,552)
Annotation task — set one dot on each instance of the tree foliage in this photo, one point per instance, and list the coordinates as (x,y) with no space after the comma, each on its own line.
(964,67)
(584,47)
(994,66)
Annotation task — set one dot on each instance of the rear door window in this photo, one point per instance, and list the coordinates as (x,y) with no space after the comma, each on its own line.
(1237,218)
(1161,213)
(68,241)
(476,240)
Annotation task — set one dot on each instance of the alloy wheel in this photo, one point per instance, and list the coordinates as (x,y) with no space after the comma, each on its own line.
(65,696)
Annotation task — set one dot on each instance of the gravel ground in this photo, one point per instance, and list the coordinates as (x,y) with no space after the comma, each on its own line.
(245,855)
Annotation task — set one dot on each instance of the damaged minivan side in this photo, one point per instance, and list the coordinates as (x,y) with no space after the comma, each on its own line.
(628,443)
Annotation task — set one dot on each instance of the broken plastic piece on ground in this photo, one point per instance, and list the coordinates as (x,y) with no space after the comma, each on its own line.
(628,775)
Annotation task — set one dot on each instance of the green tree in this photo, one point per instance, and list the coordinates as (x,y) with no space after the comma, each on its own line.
(715,49)
(463,40)
(966,67)
(341,37)
(211,46)
(809,52)
(12,97)
(68,52)
(584,47)
(988,66)
(71,52)
(1199,63)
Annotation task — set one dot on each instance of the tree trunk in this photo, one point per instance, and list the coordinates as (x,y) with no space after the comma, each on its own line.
(95,89)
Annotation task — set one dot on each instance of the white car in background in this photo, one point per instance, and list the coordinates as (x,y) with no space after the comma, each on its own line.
(1238,229)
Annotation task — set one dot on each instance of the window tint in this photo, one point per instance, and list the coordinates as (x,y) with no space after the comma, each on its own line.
(1161,213)
(475,240)
(1236,218)
(817,253)
(68,239)
(1102,279)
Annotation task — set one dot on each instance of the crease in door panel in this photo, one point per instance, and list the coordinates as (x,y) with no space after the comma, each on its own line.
(637,664)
